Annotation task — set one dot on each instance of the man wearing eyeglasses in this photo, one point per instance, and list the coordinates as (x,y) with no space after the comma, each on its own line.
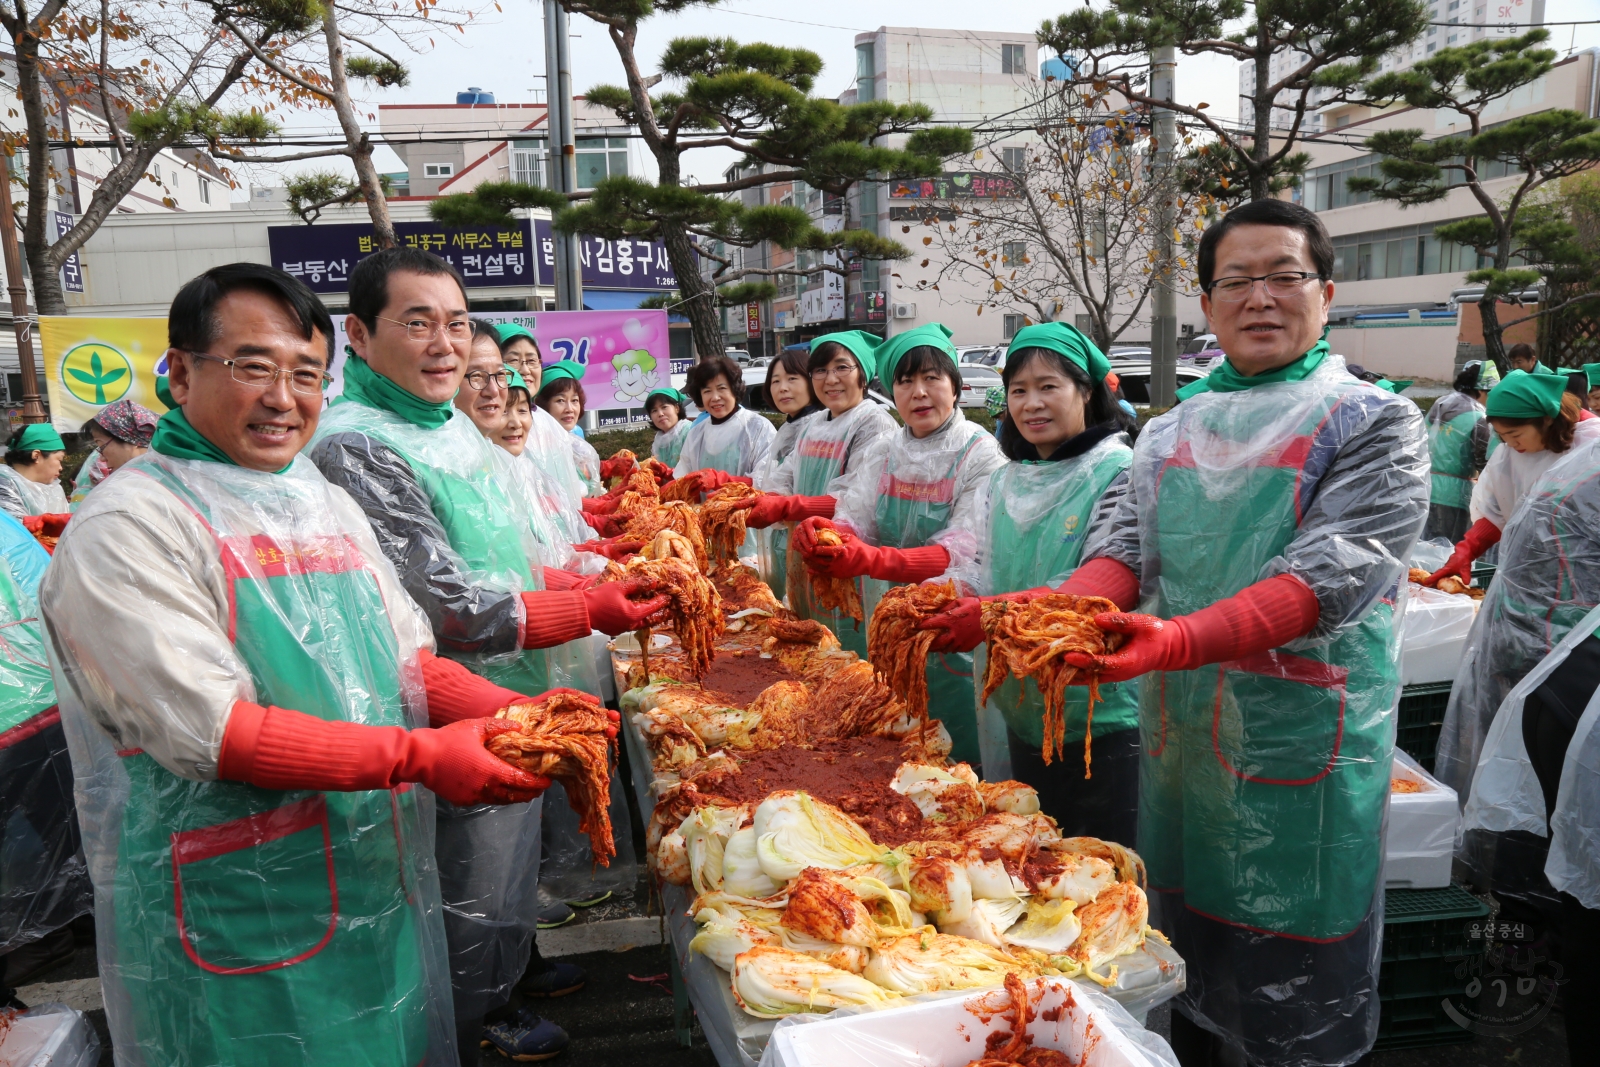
(426,478)
(1266,535)
(249,695)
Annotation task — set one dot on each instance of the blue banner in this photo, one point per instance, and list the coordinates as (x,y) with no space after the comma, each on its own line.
(486,256)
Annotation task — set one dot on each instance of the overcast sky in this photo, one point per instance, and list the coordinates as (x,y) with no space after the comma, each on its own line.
(503,52)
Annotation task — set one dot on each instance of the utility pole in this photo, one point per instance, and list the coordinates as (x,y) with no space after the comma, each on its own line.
(1164,302)
(563,149)
(32,408)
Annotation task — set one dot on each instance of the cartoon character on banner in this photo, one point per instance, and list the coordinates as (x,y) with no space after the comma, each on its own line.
(634,371)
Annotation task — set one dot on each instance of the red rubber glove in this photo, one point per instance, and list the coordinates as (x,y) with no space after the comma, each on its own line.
(560,580)
(1256,619)
(804,538)
(771,509)
(960,625)
(855,558)
(1105,577)
(614,548)
(610,610)
(600,505)
(1483,535)
(712,480)
(617,468)
(604,525)
(49,525)
(552,617)
(276,748)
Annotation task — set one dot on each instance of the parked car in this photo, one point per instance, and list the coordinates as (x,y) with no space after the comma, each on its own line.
(1202,348)
(1134,377)
(738,355)
(976,381)
(979,355)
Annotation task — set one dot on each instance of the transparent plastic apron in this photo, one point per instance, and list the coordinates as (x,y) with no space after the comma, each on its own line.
(271,927)
(1045,546)
(909,514)
(821,457)
(1263,781)
(730,460)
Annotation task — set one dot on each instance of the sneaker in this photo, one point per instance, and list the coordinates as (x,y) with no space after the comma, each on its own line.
(554,913)
(557,979)
(591,901)
(526,1037)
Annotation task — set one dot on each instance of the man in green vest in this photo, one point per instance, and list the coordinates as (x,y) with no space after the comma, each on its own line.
(250,699)
(1268,524)
(428,481)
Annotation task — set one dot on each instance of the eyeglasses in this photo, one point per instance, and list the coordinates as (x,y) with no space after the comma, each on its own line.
(427,329)
(262,373)
(477,379)
(1280,284)
(837,370)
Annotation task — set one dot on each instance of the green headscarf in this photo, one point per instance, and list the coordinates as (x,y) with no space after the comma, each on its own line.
(564,369)
(516,380)
(40,436)
(1592,371)
(1066,340)
(164,392)
(1488,376)
(1521,395)
(366,386)
(667,391)
(1391,386)
(506,331)
(1225,379)
(859,343)
(891,352)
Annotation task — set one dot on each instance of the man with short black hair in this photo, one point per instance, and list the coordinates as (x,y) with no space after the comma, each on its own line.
(428,482)
(249,697)
(1268,524)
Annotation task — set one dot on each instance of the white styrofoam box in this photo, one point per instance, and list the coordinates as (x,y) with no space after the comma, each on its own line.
(1421,837)
(50,1035)
(951,1032)
(1433,635)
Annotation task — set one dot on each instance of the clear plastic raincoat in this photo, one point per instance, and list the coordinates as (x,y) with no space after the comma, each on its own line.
(1547,582)
(1457,434)
(907,492)
(1264,783)
(736,445)
(33,498)
(240,925)
(1038,519)
(772,543)
(587,461)
(1509,474)
(667,447)
(465,551)
(1507,796)
(824,450)
(92,473)
(44,883)
(549,450)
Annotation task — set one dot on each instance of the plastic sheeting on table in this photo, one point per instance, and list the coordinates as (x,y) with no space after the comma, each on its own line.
(1150,976)
(1433,635)
(950,1029)
(1419,837)
(50,1035)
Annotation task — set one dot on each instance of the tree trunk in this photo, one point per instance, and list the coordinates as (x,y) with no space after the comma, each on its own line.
(1493,334)
(354,136)
(698,295)
(1262,146)
(37,231)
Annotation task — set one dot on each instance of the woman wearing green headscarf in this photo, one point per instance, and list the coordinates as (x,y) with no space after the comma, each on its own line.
(839,368)
(664,407)
(1070,447)
(1538,421)
(30,480)
(909,505)
(563,397)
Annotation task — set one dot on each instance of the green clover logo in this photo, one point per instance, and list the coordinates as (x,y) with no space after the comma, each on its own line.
(96,373)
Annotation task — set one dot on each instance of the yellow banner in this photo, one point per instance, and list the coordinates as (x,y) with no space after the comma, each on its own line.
(89,363)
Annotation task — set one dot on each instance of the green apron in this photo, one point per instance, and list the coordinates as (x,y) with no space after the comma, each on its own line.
(821,458)
(26,688)
(455,468)
(1038,519)
(1264,781)
(1450,446)
(909,514)
(268,927)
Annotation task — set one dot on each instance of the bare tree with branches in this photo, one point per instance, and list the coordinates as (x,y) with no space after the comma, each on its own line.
(1080,229)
